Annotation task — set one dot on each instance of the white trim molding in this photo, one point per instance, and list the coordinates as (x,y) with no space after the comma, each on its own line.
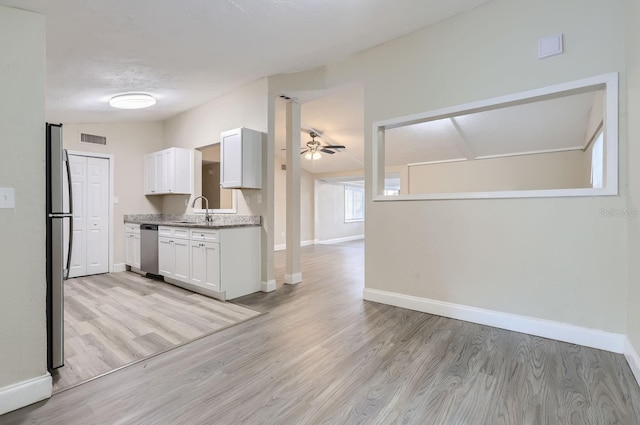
(269,286)
(565,332)
(293,279)
(25,393)
(340,240)
(607,81)
(633,359)
(283,247)
(119,267)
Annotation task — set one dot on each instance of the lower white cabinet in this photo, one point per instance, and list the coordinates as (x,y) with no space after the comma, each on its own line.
(205,264)
(132,235)
(173,256)
(223,263)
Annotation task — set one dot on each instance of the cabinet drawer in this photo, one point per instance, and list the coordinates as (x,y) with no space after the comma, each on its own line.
(173,232)
(204,235)
(131,228)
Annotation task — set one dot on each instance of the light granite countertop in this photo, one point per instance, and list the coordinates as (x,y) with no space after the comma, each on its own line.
(197,221)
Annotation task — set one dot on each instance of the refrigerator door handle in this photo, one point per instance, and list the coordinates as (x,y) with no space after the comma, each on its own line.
(69,183)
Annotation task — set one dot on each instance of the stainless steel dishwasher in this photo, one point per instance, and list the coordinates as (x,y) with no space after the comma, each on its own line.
(149,249)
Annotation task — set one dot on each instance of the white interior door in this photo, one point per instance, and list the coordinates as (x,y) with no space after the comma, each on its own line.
(90,183)
(97,214)
(78,166)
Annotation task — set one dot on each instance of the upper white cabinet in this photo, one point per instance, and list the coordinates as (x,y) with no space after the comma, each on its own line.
(241,159)
(168,171)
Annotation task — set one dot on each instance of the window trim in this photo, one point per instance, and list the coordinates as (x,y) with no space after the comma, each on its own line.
(610,82)
(354,189)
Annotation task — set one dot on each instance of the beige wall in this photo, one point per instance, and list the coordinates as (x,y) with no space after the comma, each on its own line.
(556,170)
(248,107)
(306,205)
(555,259)
(128,143)
(633,163)
(22,167)
(201,126)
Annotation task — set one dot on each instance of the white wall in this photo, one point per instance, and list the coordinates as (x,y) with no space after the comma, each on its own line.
(128,142)
(330,223)
(22,167)
(555,259)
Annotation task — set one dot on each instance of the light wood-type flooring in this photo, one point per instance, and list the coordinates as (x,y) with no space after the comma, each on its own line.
(115,319)
(322,355)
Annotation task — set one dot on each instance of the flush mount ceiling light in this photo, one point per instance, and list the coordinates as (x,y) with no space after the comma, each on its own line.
(132,101)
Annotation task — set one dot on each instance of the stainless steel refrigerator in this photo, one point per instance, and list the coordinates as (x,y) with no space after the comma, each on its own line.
(59,242)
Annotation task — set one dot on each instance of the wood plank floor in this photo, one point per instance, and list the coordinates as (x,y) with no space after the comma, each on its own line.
(323,356)
(115,319)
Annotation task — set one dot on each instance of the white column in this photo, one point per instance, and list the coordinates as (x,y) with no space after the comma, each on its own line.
(292,272)
(268,281)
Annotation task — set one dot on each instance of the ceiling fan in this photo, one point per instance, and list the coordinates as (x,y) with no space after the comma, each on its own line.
(313,149)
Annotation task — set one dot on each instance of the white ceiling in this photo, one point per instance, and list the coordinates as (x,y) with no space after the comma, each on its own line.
(188,51)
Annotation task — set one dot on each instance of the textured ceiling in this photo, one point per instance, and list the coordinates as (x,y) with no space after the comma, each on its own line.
(189,51)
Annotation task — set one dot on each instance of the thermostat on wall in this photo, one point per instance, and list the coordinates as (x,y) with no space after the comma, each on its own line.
(550,46)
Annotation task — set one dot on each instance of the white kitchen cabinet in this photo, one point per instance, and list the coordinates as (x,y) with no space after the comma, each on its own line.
(241,159)
(132,235)
(173,253)
(223,263)
(169,171)
(205,265)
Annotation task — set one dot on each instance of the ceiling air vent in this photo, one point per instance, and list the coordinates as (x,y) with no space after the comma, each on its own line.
(90,138)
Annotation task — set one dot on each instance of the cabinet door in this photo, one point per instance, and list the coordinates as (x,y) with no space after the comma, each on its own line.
(198,263)
(158,158)
(182,263)
(231,159)
(130,249)
(168,175)
(212,254)
(166,257)
(149,174)
(136,250)
(205,265)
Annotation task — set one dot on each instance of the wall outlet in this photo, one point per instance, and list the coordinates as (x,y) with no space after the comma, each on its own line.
(7,197)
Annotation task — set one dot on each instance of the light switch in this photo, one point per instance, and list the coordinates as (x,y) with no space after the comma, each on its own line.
(550,46)
(7,197)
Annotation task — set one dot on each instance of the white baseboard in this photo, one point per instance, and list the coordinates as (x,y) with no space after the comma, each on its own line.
(25,393)
(339,240)
(283,247)
(633,359)
(120,267)
(269,286)
(292,279)
(587,337)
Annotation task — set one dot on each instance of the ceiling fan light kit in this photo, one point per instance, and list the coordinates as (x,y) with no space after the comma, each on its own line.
(313,149)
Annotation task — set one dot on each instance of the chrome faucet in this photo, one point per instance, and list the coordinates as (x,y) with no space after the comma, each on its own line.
(206,207)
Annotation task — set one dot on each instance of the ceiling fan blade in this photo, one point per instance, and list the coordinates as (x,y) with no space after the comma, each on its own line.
(304,151)
(327,151)
(335,147)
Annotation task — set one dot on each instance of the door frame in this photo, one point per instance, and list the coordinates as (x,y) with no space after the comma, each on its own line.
(110,158)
